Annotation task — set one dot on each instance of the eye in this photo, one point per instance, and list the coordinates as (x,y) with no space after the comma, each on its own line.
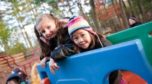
(75,38)
(48,27)
(43,31)
(83,35)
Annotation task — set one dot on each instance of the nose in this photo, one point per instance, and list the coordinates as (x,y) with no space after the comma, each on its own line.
(80,40)
(48,33)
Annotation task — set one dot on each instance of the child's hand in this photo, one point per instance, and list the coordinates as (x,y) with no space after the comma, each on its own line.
(53,65)
(43,61)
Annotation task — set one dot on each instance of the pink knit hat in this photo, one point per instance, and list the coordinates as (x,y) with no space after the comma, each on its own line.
(79,23)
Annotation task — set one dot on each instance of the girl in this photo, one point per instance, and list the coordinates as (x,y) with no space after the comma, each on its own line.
(86,39)
(83,35)
(52,34)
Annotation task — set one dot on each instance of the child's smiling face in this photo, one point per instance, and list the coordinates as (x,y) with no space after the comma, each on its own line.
(82,38)
(47,27)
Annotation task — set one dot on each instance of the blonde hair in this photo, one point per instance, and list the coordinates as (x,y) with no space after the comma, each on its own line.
(58,23)
(35,79)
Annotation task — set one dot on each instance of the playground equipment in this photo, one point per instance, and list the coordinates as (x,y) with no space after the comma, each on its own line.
(93,67)
(142,32)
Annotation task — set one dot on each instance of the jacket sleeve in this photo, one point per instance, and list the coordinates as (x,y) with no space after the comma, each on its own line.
(62,51)
(64,47)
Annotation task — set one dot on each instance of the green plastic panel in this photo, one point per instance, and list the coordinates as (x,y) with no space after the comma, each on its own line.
(142,32)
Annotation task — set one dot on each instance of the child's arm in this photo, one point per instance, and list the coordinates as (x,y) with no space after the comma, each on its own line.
(53,65)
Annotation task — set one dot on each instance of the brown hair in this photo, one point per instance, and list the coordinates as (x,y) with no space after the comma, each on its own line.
(96,40)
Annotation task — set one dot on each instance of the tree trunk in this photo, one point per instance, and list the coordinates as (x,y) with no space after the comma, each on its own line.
(28,39)
(82,12)
(131,8)
(5,45)
(118,17)
(141,10)
(70,9)
(20,26)
(93,14)
(125,20)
